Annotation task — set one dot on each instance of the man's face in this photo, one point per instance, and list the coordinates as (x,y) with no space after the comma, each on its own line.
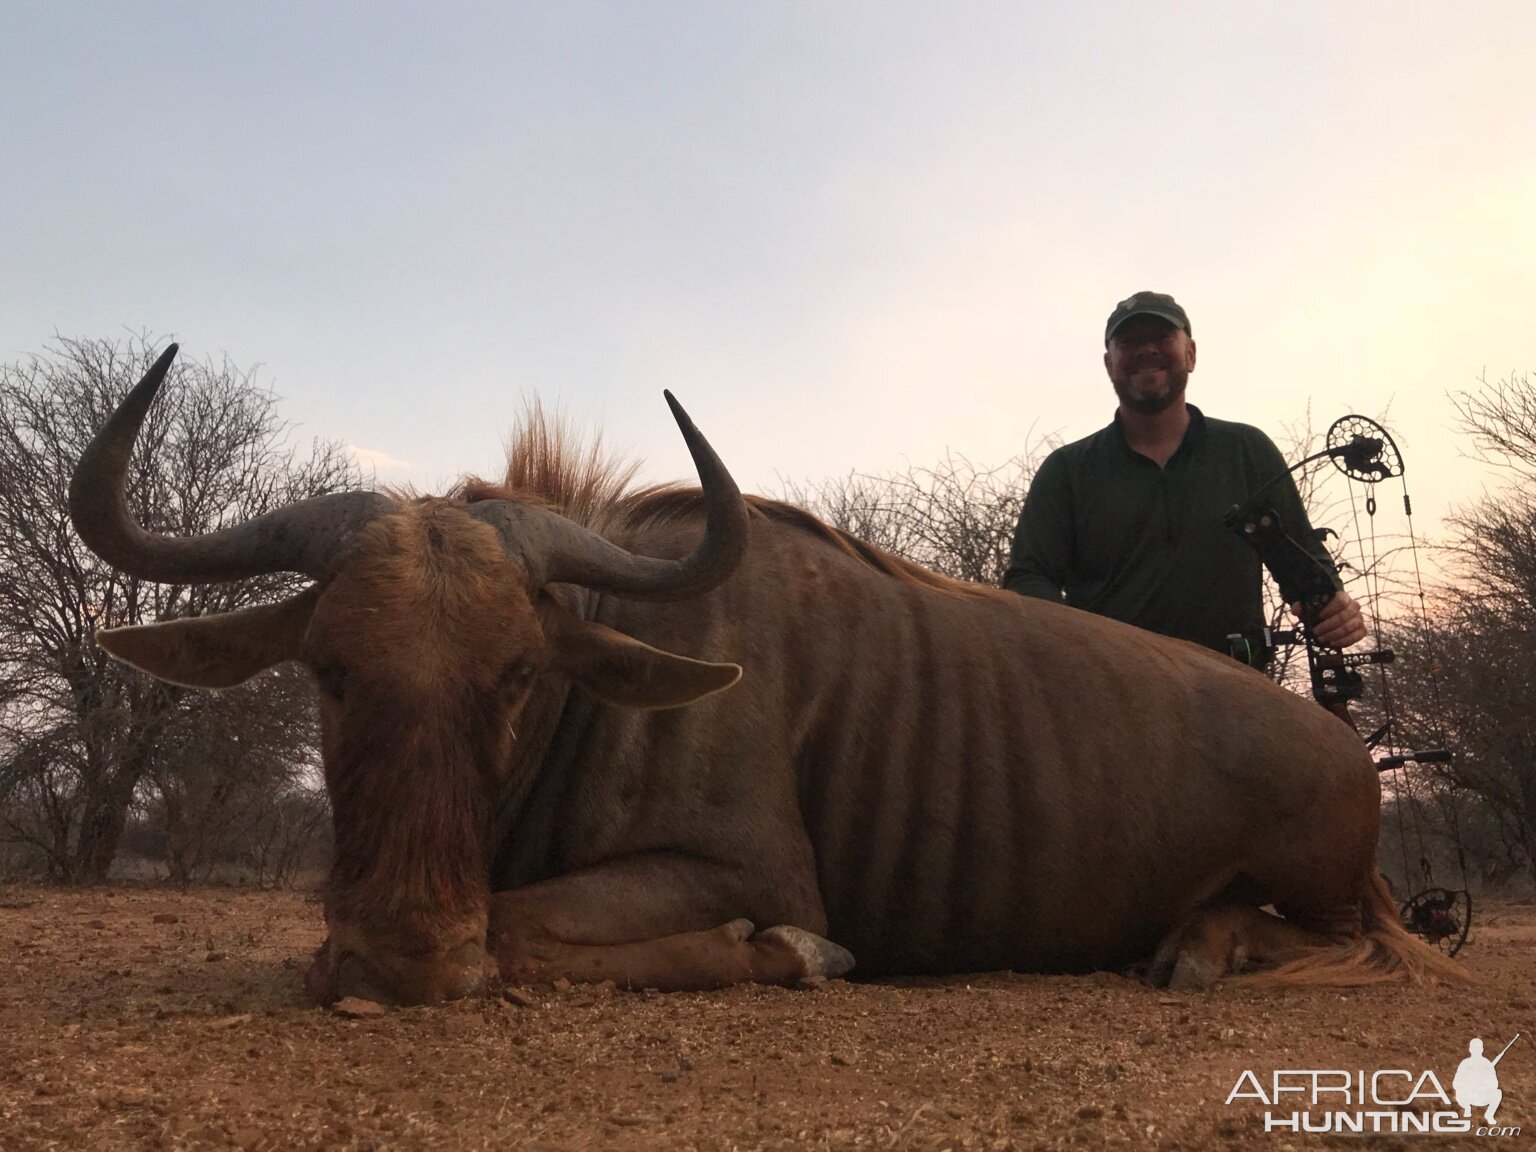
(1149,360)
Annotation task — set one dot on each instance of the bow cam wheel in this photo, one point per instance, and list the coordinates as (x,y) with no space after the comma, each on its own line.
(1441,915)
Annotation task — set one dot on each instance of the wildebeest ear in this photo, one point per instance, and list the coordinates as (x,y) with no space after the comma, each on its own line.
(215,651)
(621,670)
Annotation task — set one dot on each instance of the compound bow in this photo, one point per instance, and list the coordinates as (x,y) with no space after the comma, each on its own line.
(1365,452)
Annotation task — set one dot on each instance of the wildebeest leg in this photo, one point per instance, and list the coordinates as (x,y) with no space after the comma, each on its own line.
(660,920)
(1223,938)
(684,962)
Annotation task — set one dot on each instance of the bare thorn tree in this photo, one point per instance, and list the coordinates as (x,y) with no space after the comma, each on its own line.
(81,736)
(1500,418)
(1482,636)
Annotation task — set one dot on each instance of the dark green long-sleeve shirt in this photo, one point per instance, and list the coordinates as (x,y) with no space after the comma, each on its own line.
(1105,529)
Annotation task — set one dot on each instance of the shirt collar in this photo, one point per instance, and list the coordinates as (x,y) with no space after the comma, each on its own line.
(1194,435)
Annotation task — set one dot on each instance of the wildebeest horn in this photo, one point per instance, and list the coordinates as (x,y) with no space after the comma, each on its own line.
(301,537)
(556,550)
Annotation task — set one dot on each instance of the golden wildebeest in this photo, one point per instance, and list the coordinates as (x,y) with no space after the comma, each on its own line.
(927,775)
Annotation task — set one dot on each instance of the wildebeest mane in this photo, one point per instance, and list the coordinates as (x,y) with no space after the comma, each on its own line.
(548,465)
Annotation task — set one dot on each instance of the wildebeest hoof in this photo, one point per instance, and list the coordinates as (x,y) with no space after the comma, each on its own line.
(320,978)
(820,958)
(1194,973)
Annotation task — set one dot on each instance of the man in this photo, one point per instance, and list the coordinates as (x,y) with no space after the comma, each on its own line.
(1128,522)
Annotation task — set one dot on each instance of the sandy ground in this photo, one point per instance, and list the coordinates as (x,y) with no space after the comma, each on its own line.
(144,1018)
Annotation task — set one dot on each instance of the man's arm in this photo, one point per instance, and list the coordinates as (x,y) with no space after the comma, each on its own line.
(1043,538)
(1338,623)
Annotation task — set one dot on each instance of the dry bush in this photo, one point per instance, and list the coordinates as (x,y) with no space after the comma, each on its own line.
(956,518)
(82,737)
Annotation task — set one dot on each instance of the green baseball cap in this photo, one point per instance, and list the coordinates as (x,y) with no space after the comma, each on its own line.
(1147,304)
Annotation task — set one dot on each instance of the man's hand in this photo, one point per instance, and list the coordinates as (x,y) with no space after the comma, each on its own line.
(1337,624)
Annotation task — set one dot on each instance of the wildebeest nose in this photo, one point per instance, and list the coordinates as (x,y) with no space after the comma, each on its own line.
(445,974)
(352,964)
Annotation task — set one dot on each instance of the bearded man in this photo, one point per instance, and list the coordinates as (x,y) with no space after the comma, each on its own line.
(1128,522)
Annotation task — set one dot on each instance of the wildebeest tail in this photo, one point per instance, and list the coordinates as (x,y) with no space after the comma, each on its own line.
(1384,953)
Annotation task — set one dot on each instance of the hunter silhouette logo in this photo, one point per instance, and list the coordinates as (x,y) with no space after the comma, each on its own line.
(1396,1100)
(1477,1082)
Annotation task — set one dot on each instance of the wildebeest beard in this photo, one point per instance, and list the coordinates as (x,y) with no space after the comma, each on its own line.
(410,810)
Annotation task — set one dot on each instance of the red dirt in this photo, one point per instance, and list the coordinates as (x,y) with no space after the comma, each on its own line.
(139,1018)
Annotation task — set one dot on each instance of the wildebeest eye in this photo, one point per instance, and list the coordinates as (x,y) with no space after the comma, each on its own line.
(519,675)
(332,679)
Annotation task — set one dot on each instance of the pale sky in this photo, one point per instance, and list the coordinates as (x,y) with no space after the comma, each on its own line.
(847,236)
